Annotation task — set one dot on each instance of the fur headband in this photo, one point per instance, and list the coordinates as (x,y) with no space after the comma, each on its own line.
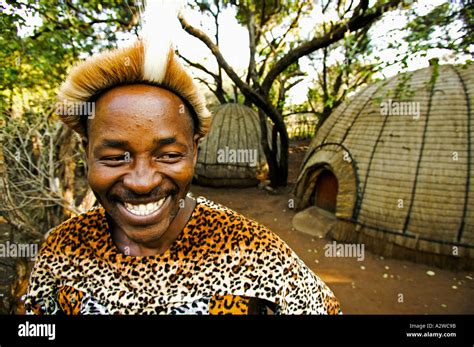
(149,60)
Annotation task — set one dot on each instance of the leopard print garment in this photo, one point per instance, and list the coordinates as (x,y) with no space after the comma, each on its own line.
(222,262)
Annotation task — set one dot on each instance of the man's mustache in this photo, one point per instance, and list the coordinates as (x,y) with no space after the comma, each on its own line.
(155,194)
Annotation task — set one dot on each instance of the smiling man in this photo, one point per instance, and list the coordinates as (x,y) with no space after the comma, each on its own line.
(149,247)
(141,172)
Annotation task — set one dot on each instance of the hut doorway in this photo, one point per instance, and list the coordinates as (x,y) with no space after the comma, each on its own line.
(325,191)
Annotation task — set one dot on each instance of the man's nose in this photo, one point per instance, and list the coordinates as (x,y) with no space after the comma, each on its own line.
(143,177)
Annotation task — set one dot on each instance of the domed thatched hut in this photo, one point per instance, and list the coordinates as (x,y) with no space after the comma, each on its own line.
(231,154)
(395,167)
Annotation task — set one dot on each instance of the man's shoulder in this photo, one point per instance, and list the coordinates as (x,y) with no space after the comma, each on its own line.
(232,225)
(71,230)
(224,218)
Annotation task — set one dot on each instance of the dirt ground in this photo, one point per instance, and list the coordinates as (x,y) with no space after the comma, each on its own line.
(376,285)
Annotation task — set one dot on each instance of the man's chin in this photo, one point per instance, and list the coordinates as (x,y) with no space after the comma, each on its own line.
(142,229)
(148,237)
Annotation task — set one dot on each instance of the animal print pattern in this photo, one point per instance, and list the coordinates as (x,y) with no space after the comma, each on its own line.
(70,300)
(221,262)
(236,305)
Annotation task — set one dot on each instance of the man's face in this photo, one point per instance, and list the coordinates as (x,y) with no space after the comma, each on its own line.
(141,153)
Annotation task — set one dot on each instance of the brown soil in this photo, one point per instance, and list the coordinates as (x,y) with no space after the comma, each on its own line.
(375,285)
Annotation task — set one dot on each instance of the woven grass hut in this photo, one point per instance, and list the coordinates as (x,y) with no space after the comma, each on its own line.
(395,168)
(231,154)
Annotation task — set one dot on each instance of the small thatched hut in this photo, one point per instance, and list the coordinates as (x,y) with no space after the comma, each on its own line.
(395,167)
(231,154)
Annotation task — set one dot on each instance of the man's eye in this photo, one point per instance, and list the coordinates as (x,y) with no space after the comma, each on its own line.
(117,158)
(170,157)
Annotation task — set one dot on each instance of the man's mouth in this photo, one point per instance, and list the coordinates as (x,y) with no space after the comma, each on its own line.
(144,209)
(142,212)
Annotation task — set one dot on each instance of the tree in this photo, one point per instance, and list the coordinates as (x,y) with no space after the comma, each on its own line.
(39,158)
(35,58)
(217,87)
(448,26)
(281,57)
(335,81)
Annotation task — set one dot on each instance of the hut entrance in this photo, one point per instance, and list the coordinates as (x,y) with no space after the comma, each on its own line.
(325,191)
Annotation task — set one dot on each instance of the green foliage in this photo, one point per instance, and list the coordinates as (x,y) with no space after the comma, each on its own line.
(267,13)
(40,40)
(344,76)
(449,26)
(276,28)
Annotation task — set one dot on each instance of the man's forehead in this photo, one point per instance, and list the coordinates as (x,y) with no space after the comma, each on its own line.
(125,94)
(125,108)
(125,143)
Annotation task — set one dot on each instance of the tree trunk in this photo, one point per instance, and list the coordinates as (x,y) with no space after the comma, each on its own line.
(270,153)
(277,165)
(219,93)
(283,162)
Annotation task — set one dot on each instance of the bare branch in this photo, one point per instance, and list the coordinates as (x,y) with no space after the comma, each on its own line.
(252,69)
(274,45)
(336,33)
(299,112)
(220,59)
(198,66)
(255,97)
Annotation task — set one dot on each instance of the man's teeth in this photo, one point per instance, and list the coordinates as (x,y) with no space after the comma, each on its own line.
(144,209)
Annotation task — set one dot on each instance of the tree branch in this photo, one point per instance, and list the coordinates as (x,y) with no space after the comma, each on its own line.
(252,95)
(274,45)
(299,112)
(198,66)
(252,69)
(336,33)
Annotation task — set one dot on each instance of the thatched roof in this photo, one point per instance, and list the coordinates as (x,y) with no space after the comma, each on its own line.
(404,177)
(231,154)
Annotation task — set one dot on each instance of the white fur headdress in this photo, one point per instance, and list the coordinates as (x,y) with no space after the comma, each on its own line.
(150,60)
